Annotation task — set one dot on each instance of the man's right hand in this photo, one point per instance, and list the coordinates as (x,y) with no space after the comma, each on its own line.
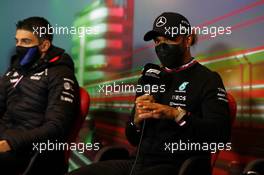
(139,109)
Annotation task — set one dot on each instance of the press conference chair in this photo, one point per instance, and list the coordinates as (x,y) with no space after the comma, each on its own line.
(193,164)
(255,167)
(79,120)
(84,109)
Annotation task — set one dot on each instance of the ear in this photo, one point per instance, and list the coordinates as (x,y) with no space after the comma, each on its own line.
(189,41)
(45,46)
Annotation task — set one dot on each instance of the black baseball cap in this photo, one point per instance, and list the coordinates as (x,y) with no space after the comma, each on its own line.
(170,25)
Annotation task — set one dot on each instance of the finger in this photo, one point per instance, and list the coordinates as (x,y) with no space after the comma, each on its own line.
(145,115)
(144,97)
(156,115)
(158,111)
(144,107)
(149,115)
(139,105)
(143,104)
(140,111)
(150,106)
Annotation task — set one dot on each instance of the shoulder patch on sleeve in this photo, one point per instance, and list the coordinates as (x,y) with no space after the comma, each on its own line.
(67,94)
(221,94)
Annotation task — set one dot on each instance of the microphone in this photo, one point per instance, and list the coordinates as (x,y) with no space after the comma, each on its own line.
(151,81)
(148,83)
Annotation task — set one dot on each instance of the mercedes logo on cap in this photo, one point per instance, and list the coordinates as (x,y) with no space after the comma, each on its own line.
(161,21)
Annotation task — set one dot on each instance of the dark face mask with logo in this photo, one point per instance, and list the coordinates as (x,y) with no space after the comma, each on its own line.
(170,55)
(27,55)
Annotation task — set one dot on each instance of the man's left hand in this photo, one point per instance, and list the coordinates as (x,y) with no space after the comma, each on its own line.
(158,111)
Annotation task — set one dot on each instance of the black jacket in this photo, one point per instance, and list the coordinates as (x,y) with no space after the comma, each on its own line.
(38,103)
(199,91)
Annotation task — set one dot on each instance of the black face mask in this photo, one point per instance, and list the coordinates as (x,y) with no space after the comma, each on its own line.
(170,55)
(27,55)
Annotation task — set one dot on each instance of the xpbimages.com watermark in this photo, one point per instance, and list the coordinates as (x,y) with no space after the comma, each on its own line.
(212,31)
(110,89)
(173,31)
(193,146)
(65,30)
(60,146)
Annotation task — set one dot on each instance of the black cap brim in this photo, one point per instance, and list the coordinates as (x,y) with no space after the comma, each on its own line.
(151,35)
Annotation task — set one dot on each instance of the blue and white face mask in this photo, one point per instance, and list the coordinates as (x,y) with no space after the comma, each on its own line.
(27,55)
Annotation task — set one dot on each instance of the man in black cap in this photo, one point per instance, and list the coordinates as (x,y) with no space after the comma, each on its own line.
(192,111)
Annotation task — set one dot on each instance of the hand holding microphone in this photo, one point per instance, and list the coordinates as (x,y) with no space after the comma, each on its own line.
(139,108)
(150,76)
(146,104)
